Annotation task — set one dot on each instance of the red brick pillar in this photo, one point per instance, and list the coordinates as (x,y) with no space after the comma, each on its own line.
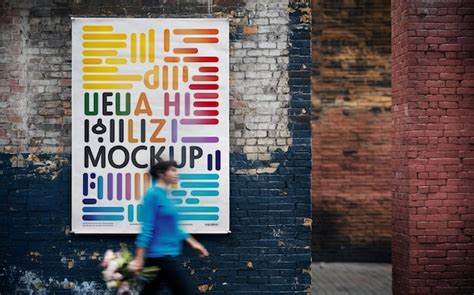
(433,146)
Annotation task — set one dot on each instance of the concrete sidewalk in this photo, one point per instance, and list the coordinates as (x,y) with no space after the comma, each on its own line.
(351,278)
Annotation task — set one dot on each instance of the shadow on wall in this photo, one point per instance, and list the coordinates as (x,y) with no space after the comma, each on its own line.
(330,244)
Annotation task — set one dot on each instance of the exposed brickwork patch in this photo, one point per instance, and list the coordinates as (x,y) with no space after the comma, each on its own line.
(351,131)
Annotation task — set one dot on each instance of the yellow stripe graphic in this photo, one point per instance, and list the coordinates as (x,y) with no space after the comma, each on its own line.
(100,69)
(142,48)
(112,77)
(99,52)
(133,47)
(91,61)
(97,28)
(151,45)
(104,36)
(116,61)
(108,86)
(104,44)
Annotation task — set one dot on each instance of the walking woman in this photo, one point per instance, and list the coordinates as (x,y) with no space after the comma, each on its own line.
(161,238)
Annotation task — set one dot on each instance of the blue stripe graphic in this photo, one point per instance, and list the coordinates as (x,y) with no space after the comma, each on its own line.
(139,213)
(192,201)
(209,176)
(103,217)
(198,209)
(199,217)
(103,209)
(177,201)
(199,193)
(178,193)
(89,201)
(100,185)
(130,213)
(199,184)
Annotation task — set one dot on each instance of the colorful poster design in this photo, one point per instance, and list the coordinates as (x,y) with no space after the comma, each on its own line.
(145,90)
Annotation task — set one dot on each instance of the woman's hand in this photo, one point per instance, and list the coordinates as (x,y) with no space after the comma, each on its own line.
(136,265)
(202,251)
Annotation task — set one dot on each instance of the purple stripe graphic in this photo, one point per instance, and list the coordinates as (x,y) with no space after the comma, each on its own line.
(210,139)
(119,186)
(174,130)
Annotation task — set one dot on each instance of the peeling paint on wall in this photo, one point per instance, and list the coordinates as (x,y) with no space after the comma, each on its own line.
(30,282)
(269,179)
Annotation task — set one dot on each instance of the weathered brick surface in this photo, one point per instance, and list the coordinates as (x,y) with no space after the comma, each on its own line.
(35,79)
(351,195)
(260,89)
(351,130)
(432,142)
(269,249)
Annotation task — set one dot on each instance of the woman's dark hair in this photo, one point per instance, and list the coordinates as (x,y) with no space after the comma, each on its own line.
(161,167)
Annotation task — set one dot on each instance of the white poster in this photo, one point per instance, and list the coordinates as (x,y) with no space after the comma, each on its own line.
(144,90)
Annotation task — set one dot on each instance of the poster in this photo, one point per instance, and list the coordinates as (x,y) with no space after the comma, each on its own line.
(144,90)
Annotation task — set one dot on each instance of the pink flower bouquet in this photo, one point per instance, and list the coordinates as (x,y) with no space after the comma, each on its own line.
(117,276)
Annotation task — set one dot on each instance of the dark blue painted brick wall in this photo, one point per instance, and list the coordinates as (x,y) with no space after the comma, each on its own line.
(268,251)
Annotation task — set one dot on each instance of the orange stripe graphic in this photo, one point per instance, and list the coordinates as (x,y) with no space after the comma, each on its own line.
(175,78)
(146,180)
(205,78)
(185,50)
(131,139)
(201,40)
(201,59)
(167,40)
(165,77)
(172,59)
(137,186)
(196,31)
(185,74)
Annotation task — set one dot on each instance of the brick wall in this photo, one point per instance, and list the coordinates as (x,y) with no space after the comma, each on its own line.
(351,130)
(269,249)
(433,147)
